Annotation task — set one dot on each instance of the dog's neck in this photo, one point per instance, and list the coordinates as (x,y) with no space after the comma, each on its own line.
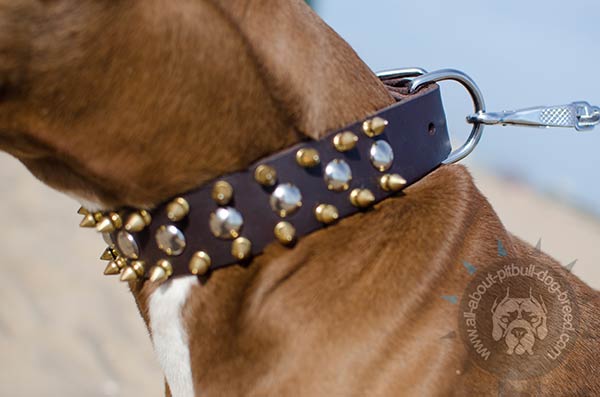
(244,80)
(314,89)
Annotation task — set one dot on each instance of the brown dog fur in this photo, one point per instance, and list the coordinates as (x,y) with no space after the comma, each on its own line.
(131,102)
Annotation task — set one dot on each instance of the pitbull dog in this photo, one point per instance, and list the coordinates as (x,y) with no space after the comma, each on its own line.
(519,321)
(131,102)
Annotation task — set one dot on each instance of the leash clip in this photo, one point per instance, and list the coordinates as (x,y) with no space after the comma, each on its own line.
(579,115)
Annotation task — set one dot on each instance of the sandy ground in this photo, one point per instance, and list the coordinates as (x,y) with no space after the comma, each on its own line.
(67,330)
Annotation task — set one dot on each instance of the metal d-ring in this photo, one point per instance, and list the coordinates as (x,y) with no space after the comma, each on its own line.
(478,103)
(400,73)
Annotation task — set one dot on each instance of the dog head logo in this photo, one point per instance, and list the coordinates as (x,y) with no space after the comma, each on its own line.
(519,321)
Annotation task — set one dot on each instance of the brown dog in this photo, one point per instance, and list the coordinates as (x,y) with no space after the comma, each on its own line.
(130,102)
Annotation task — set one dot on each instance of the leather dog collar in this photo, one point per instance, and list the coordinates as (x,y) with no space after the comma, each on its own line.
(282,197)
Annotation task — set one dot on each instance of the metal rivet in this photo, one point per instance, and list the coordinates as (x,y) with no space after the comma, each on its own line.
(285,233)
(345,141)
(338,175)
(392,182)
(286,199)
(241,248)
(326,213)
(170,240)
(362,198)
(178,209)
(307,157)
(222,192)
(226,222)
(381,155)
(200,263)
(265,175)
(374,126)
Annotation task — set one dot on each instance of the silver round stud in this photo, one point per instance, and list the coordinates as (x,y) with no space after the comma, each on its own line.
(286,199)
(226,222)
(382,155)
(127,245)
(338,175)
(170,240)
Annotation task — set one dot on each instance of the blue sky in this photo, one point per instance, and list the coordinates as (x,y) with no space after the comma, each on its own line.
(521,53)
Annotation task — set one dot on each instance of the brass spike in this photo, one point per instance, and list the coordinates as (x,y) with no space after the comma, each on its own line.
(83,211)
(147,217)
(374,126)
(98,216)
(116,220)
(178,209)
(200,263)
(241,248)
(285,232)
(392,182)
(112,269)
(162,271)
(345,141)
(108,255)
(128,274)
(88,221)
(158,274)
(362,198)
(139,267)
(105,226)
(222,192)
(326,213)
(307,157)
(135,223)
(265,175)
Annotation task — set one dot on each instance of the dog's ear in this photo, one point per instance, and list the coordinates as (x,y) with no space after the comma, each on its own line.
(506,297)
(494,306)
(539,303)
(497,330)
(543,305)
(542,330)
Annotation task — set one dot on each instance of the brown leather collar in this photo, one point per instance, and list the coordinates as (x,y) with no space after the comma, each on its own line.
(282,197)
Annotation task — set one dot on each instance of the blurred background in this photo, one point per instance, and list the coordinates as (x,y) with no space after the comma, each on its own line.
(67,330)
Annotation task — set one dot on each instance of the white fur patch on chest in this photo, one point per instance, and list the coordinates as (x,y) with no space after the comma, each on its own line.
(169,336)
